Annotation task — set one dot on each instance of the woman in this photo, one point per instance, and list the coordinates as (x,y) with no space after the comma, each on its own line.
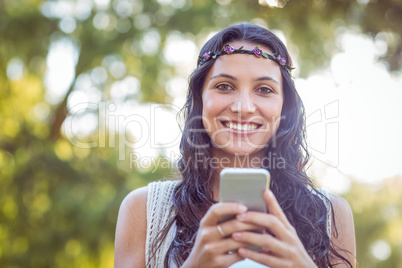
(242,110)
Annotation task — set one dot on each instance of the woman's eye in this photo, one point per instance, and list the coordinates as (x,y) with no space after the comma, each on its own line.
(224,87)
(264,90)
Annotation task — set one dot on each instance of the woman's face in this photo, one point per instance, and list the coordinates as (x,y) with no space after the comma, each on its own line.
(242,103)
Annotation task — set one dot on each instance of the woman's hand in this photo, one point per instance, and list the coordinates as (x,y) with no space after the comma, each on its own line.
(211,244)
(283,248)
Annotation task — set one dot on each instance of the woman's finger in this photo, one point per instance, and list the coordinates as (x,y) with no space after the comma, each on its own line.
(263,240)
(266,221)
(228,259)
(266,259)
(215,212)
(231,226)
(274,208)
(226,245)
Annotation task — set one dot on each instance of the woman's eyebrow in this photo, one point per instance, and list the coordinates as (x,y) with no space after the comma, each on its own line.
(234,78)
(267,78)
(223,75)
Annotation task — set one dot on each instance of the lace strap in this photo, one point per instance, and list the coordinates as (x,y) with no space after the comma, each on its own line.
(327,203)
(159,204)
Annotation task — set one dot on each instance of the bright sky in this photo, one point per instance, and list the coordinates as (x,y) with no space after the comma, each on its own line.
(366,117)
(353,109)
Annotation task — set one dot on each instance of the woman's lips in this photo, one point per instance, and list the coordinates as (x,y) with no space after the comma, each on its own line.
(241,127)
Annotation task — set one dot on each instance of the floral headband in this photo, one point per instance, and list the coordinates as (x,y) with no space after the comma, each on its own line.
(256,51)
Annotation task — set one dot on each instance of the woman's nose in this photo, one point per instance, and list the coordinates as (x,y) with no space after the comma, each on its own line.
(243,104)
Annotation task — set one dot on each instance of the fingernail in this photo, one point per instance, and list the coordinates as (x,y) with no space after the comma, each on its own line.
(242,208)
(237,235)
(241,216)
(243,251)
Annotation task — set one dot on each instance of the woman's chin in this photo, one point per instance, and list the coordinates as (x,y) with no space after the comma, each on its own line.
(241,152)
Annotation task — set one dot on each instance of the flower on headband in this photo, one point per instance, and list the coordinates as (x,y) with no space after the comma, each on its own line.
(229,49)
(206,56)
(257,51)
(282,60)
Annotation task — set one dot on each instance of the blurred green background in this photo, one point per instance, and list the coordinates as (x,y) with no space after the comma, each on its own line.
(59,201)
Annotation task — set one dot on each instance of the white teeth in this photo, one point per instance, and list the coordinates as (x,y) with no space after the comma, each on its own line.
(242,127)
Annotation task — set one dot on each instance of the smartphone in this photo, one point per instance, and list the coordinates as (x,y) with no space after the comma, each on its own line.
(245,186)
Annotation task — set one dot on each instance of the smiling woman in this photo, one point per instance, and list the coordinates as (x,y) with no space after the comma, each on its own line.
(242,110)
(242,104)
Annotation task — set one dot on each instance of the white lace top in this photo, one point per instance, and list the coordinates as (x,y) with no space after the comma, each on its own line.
(159,205)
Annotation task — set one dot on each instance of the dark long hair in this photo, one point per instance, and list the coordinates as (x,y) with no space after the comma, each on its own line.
(192,197)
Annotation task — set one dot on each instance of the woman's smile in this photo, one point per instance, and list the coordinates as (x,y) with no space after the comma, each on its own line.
(241,127)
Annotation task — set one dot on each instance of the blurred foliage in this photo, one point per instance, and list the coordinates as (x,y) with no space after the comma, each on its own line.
(58,202)
(377,213)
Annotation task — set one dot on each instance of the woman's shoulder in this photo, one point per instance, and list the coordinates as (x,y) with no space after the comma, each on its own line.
(341,208)
(131,230)
(343,234)
(339,204)
(133,220)
(343,214)
(135,203)
(138,197)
